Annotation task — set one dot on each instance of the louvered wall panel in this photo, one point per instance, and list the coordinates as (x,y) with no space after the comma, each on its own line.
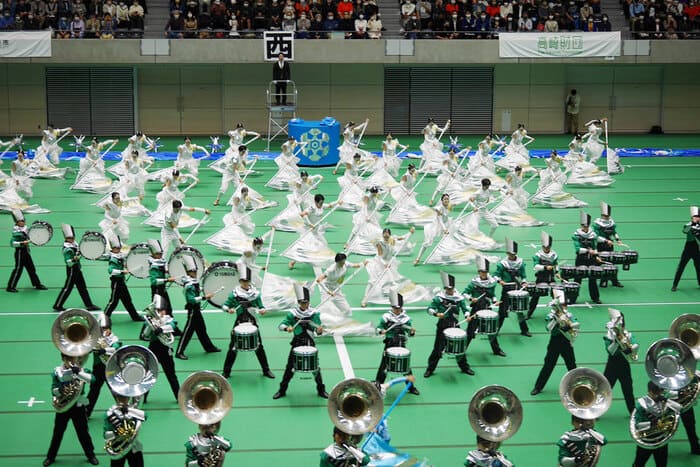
(68,98)
(430,96)
(397,104)
(112,101)
(472,100)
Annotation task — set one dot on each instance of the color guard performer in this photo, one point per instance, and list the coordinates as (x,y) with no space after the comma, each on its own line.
(23,258)
(230,173)
(649,412)
(200,444)
(117,419)
(331,282)
(193,305)
(74,274)
(691,250)
(169,234)
(396,327)
(511,275)
(585,244)
(545,262)
(605,227)
(563,328)
(68,389)
(114,222)
(342,452)
(575,446)
(244,301)
(160,330)
(117,277)
(621,348)
(106,346)
(158,276)
(487,454)
(480,292)
(481,200)
(446,307)
(303,322)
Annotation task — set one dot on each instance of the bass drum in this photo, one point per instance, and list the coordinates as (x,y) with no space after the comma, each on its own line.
(93,245)
(137,260)
(176,266)
(40,233)
(220,279)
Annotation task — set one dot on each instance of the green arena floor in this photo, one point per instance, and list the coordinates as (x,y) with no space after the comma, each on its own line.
(292,431)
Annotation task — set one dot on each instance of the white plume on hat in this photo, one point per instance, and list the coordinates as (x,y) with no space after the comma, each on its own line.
(114,241)
(189,263)
(605,208)
(546,239)
(448,280)
(511,246)
(585,219)
(302,293)
(17,215)
(68,231)
(482,264)
(694,211)
(154,246)
(396,299)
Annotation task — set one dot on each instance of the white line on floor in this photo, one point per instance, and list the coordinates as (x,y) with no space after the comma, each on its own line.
(344,357)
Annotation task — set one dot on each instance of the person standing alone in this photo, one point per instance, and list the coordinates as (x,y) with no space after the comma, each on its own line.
(281,73)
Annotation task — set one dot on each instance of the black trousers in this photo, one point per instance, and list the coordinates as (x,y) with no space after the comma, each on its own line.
(586,260)
(74,278)
(297,341)
(23,260)
(540,277)
(383,363)
(79,418)
(643,455)
(690,251)
(98,371)
(558,345)
(439,346)
(233,352)
(618,369)
(688,419)
(280,92)
(135,459)
(120,292)
(164,354)
(473,326)
(162,290)
(195,323)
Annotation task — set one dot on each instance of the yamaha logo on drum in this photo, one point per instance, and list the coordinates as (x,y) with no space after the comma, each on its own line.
(225,273)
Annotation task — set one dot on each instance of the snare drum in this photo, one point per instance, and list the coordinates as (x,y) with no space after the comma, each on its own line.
(247,337)
(220,279)
(609,271)
(488,322)
(595,272)
(531,289)
(177,268)
(581,272)
(398,359)
(571,290)
(40,233)
(606,256)
(618,257)
(455,341)
(92,245)
(567,272)
(543,289)
(305,359)
(631,257)
(137,260)
(518,300)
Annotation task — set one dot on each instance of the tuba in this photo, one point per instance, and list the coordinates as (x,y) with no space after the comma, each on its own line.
(74,333)
(355,406)
(495,413)
(586,394)
(131,372)
(205,398)
(155,321)
(686,328)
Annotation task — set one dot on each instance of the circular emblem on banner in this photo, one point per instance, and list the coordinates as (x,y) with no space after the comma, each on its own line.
(317,147)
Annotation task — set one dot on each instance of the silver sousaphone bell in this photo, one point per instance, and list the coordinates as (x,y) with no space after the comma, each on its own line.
(75,332)
(670,364)
(585,393)
(355,406)
(131,371)
(686,328)
(205,397)
(495,413)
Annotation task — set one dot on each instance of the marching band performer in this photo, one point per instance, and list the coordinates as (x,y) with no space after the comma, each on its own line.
(487,455)
(574,445)
(114,222)
(230,174)
(563,327)
(342,452)
(186,159)
(481,164)
(199,445)
(91,174)
(303,322)
(605,227)
(431,147)
(169,234)
(158,276)
(74,273)
(396,327)
(511,274)
(235,141)
(585,244)
(116,419)
(594,147)
(154,330)
(365,224)
(331,281)
(390,160)
(516,151)
(481,200)
(68,388)
(545,262)
(648,413)
(550,191)
(312,246)
(106,346)
(287,170)
(583,172)
(49,145)
(23,258)
(621,347)
(481,291)
(691,250)
(688,419)
(117,276)
(193,305)
(170,191)
(352,135)
(244,301)
(20,176)
(446,307)
(289,219)
(441,224)
(407,210)
(513,209)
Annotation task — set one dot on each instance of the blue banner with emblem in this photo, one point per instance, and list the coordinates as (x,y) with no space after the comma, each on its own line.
(321,139)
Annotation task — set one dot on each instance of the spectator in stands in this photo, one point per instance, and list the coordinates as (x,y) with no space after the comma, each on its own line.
(586,12)
(316,28)
(178,5)
(109,8)
(92,27)
(469,24)
(136,15)
(637,11)
(343,9)
(6,21)
(232,26)
(175,25)
(543,10)
(524,23)
(275,23)
(52,13)
(301,6)
(371,8)
(425,13)
(289,23)
(346,22)
(77,27)
(107,24)
(452,27)
(498,23)
(571,16)
(315,8)
(303,26)
(451,8)
(360,27)
(65,8)
(413,26)
(550,25)
(63,31)
(122,16)
(79,8)
(483,25)
(39,12)
(595,4)
(605,25)
(657,29)
(670,23)
(478,7)
(190,25)
(505,9)
(330,24)
(374,27)
(407,10)
(260,22)
(493,9)
(590,26)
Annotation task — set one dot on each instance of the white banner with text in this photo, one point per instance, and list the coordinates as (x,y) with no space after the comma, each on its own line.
(559,44)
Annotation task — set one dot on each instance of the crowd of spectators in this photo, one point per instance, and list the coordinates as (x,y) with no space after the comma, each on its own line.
(483,19)
(308,19)
(663,19)
(75,19)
